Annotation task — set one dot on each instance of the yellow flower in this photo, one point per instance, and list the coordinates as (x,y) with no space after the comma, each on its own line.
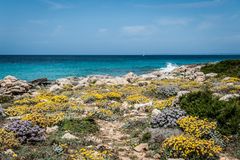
(196,126)
(185,146)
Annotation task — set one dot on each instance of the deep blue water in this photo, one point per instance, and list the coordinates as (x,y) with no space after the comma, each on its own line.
(53,67)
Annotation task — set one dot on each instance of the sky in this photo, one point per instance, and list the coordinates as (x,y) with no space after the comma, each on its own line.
(119,27)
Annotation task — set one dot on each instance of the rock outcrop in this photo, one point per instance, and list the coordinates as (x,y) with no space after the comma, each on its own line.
(10,85)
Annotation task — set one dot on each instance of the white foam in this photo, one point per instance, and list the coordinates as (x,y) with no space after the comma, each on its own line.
(170,67)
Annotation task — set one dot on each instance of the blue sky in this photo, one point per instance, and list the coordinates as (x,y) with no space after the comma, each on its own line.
(119,26)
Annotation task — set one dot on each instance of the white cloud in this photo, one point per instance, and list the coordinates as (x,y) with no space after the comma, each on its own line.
(57,6)
(201,4)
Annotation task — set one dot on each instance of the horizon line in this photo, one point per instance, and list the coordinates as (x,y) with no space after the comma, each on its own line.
(174,54)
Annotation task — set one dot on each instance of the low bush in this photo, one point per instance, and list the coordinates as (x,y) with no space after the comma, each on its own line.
(162,92)
(224,68)
(82,126)
(167,117)
(197,127)
(89,154)
(4,99)
(203,104)
(189,147)
(26,131)
(44,120)
(166,91)
(135,99)
(7,140)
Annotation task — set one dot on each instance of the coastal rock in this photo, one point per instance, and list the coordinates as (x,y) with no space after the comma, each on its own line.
(63,81)
(200,78)
(41,82)
(50,130)
(12,86)
(228,97)
(160,134)
(217,95)
(55,88)
(199,73)
(142,83)
(143,105)
(130,77)
(69,136)
(110,81)
(155,112)
(141,147)
(210,75)
(147,77)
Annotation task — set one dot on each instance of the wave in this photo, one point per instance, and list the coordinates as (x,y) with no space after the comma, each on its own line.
(169,67)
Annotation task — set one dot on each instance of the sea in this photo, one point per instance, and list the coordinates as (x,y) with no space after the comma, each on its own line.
(30,67)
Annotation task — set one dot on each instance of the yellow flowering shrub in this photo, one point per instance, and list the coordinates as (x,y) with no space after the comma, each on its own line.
(7,140)
(44,120)
(101,103)
(113,95)
(114,105)
(49,106)
(189,85)
(185,146)
(17,110)
(163,103)
(40,103)
(89,154)
(106,112)
(130,90)
(26,101)
(195,126)
(91,97)
(59,99)
(230,80)
(133,99)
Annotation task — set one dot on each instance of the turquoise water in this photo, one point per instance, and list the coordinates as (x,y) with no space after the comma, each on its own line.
(53,67)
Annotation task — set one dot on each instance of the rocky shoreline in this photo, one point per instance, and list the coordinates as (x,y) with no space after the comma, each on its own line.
(12,86)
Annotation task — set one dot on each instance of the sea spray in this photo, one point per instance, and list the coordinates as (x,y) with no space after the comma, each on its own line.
(169,67)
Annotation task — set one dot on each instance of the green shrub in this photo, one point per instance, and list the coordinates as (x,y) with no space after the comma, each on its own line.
(224,68)
(203,104)
(4,99)
(81,126)
(146,137)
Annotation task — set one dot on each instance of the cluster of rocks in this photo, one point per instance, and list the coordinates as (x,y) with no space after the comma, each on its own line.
(11,86)
(80,82)
(191,72)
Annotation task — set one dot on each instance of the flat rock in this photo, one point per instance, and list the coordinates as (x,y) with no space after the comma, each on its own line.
(228,97)
(55,88)
(141,147)
(50,130)
(69,136)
